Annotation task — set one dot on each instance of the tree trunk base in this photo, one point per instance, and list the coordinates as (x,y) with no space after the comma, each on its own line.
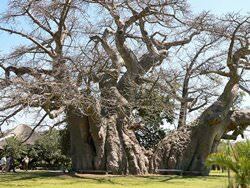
(187,149)
(107,146)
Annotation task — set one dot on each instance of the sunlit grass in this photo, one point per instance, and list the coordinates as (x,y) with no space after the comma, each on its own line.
(44,179)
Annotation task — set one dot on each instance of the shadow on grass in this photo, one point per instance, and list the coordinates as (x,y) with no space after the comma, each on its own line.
(113,180)
(161,178)
(165,178)
(22,176)
(104,179)
(6,177)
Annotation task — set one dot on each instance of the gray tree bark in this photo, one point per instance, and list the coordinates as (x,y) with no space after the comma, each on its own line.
(110,147)
(103,138)
(82,148)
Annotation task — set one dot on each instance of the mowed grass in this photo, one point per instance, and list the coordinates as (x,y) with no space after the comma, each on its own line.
(43,179)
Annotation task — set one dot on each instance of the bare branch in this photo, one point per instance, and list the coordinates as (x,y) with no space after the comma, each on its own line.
(29,38)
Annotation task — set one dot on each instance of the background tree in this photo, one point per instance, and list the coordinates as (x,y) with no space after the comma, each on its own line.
(197,87)
(65,141)
(48,149)
(16,149)
(154,109)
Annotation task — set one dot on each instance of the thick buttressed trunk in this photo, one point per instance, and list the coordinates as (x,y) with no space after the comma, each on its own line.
(108,146)
(188,147)
(123,152)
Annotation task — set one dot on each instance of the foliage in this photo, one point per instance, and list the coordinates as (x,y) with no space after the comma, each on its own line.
(153,107)
(15,148)
(236,159)
(48,149)
(65,141)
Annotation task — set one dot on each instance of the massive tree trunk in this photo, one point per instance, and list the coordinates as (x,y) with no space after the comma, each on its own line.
(82,147)
(188,147)
(107,145)
(123,152)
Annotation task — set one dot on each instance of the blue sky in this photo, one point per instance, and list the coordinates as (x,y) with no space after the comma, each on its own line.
(215,6)
(221,6)
(218,7)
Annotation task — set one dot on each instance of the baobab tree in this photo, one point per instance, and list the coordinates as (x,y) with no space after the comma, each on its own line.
(88,69)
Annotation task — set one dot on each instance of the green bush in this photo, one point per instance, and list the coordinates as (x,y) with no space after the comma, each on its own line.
(237,159)
(46,152)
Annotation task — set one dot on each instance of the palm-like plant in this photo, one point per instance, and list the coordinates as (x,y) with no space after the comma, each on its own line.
(237,159)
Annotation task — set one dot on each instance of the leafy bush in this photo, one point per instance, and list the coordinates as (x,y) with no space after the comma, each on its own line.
(48,151)
(237,159)
(16,149)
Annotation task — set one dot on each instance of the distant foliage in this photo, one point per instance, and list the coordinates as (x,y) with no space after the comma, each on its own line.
(65,141)
(50,150)
(16,149)
(153,107)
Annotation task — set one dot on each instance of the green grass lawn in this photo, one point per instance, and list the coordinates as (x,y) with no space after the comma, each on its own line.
(44,179)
